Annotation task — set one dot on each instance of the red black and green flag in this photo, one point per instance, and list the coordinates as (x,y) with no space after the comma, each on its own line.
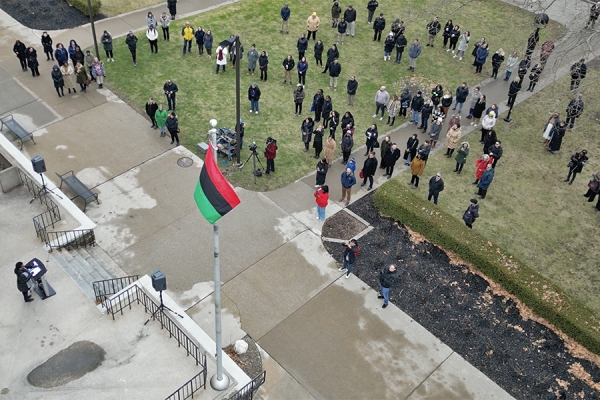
(214,195)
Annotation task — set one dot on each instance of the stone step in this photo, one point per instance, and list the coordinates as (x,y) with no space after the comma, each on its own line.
(97,254)
(96,276)
(73,272)
(77,267)
(91,261)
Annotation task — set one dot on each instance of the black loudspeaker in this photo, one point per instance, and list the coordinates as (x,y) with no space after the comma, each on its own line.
(39,166)
(159,281)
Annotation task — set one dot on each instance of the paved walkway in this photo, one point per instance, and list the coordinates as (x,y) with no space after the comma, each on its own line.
(322,336)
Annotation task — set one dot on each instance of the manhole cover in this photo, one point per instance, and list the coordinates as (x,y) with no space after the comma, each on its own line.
(185,162)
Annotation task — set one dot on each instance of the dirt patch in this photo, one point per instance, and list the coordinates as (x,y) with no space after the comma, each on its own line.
(487,328)
(45,14)
(250,362)
(343,226)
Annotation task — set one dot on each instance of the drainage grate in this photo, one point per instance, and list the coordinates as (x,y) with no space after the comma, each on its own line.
(185,162)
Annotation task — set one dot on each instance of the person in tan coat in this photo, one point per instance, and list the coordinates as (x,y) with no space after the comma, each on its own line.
(67,70)
(417,166)
(329,152)
(452,139)
(312,24)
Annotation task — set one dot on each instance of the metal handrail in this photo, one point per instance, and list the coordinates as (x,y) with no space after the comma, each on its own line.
(70,239)
(108,287)
(190,387)
(47,218)
(247,392)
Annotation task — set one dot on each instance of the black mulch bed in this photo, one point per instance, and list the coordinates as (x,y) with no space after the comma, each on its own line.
(45,15)
(525,358)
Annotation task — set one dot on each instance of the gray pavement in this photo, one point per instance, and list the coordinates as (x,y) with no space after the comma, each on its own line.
(321,336)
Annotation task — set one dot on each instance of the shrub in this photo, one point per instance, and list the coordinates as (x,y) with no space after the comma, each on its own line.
(82,6)
(544,297)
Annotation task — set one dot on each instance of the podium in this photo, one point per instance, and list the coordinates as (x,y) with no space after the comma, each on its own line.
(38,275)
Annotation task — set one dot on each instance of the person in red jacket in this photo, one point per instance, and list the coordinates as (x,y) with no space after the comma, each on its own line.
(480,166)
(322,199)
(270,154)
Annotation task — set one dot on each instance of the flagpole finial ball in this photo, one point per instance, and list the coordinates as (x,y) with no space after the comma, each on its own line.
(213,122)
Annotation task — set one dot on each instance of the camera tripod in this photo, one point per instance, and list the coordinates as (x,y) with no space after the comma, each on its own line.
(43,190)
(162,308)
(255,158)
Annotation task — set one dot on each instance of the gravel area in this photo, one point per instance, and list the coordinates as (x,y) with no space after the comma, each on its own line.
(45,15)
(476,319)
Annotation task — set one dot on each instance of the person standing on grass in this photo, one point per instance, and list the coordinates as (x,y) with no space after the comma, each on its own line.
(332,54)
(346,145)
(378,27)
(188,35)
(170,88)
(350,250)
(67,71)
(334,121)
(351,88)
(199,36)
(302,46)
(318,141)
(326,110)
(480,58)
(593,187)
(388,47)
(298,96)
(285,18)
(317,104)
(252,59)
(221,58)
(342,27)
(424,151)
(173,128)
(371,7)
(574,110)
(348,180)
(432,29)
(391,156)
(413,52)
(151,109)
(556,136)
(448,28)
(452,139)
(208,43)
(401,44)
(160,117)
(576,164)
(461,157)
(335,69)
(131,42)
(318,50)
(485,181)
(322,199)
(552,122)
(578,72)
(382,97)
(350,18)
(417,166)
(322,168)
(369,169)
(387,276)
(454,36)
(436,186)
(107,44)
(32,61)
(495,151)
(270,154)
(471,213)
(254,97)
(263,65)
(392,108)
(312,25)
(511,63)
(329,151)
(172,6)
(57,79)
(302,68)
(306,129)
(336,11)
(463,44)
(152,35)
(47,44)
(480,167)
(164,22)
(288,66)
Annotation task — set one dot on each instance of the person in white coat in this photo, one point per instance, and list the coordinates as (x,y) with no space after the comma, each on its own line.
(221,56)
(152,35)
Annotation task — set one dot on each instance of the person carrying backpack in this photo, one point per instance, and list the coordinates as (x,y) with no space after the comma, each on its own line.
(351,251)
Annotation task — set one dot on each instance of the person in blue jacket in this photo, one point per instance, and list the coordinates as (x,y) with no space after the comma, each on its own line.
(60,54)
(285,16)
(480,57)
(485,181)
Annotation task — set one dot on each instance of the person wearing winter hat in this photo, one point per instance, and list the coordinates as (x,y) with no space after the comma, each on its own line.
(471,213)
(254,97)
(312,24)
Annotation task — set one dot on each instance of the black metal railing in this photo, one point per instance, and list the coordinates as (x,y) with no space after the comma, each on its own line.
(135,294)
(108,287)
(247,392)
(36,190)
(46,219)
(190,387)
(71,239)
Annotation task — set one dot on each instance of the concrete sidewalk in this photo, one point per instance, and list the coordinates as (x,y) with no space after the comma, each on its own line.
(322,336)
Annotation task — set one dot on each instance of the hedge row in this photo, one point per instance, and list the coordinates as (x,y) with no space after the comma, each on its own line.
(82,5)
(439,227)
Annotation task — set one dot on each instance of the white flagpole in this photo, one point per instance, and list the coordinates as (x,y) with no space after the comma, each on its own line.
(219,381)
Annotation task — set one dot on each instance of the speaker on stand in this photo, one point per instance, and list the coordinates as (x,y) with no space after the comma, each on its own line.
(159,283)
(39,166)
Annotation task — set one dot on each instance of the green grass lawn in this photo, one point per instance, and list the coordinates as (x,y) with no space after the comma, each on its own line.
(529,209)
(204,95)
(110,8)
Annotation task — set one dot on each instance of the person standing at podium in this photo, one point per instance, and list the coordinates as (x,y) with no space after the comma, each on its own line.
(24,282)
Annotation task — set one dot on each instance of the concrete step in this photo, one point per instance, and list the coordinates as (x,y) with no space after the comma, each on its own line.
(91,261)
(96,276)
(73,271)
(77,267)
(99,255)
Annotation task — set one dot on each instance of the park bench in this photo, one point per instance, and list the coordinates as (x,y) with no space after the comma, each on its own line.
(78,187)
(16,129)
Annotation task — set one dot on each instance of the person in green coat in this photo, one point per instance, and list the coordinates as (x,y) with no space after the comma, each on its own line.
(252,58)
(161,120)
(461,157)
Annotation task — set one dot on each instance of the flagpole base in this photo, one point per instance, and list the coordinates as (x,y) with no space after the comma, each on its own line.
(219,385)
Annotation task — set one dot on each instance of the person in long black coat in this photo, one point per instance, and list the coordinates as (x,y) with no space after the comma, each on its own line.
(20,51)
(557,133)
(59,82)
(489,140)
(513,90)
(172,6)
(318,141)
(369,169)
(173,128)
(332,53)
(326,110)
(307,130)
(322,168)
(23,277)
(391,156)
(32,61)
(411,148)
(318,101)
(576,164)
